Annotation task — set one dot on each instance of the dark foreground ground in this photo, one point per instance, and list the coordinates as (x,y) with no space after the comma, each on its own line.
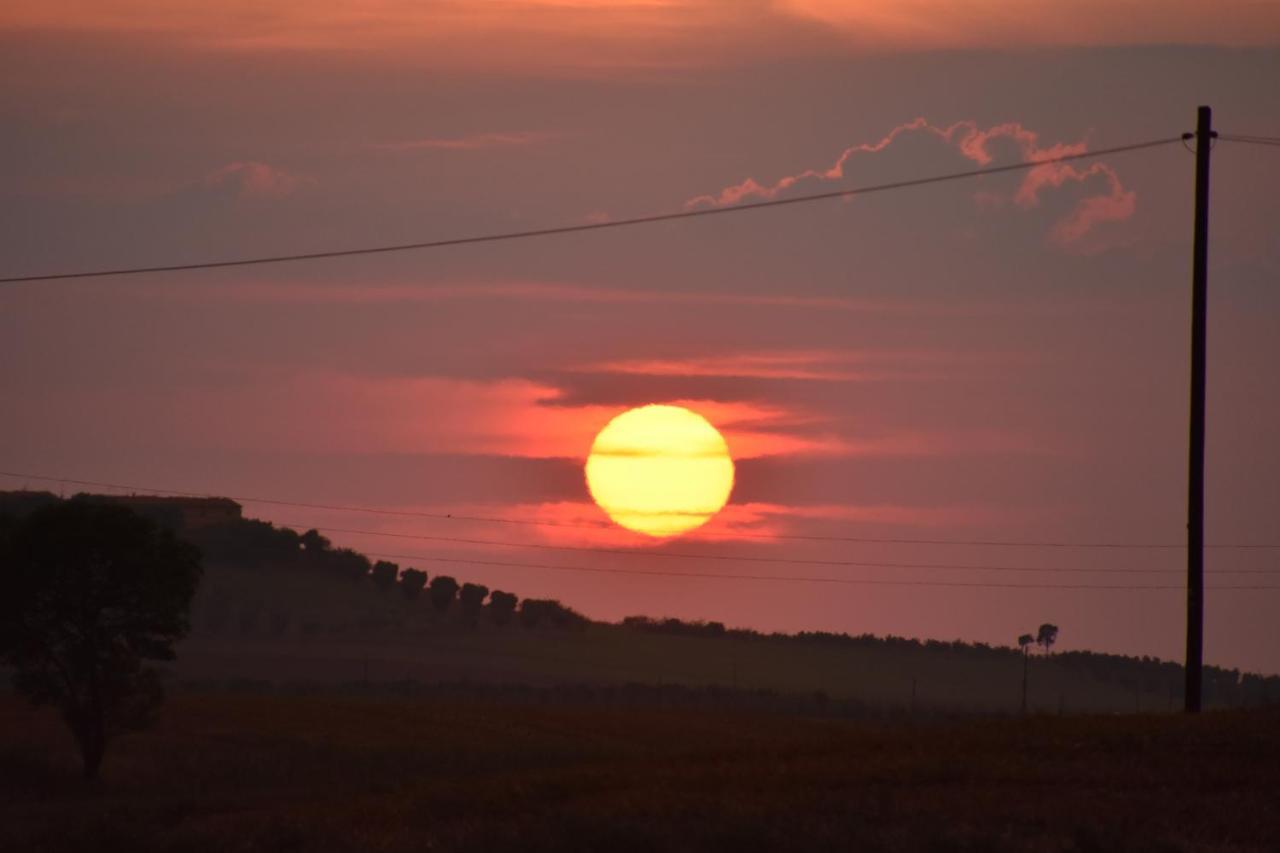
(250,772)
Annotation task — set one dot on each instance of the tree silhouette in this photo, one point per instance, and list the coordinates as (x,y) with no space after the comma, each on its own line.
(1024,642)
(502,607)
(312,541)
(443,590)
(472,599)
(547,611)
(91,591)
(384,574)
(411,582)
(1047,636)
(532,610)
(346,563)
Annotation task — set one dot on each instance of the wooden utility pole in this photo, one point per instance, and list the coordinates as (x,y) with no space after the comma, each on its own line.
(1195,480)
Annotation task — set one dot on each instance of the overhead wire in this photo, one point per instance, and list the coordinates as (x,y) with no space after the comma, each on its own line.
(614,224)
(466,561)
(642,220)
(470,561)
(1251,140)
(378,511)
(588,226)
(647,554)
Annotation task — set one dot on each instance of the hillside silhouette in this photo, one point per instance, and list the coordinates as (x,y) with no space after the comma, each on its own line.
(282,608)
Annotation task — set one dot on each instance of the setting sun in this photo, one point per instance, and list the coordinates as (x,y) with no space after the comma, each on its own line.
(660,470)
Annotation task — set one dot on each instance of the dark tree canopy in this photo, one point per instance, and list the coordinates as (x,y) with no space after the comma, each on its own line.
(675,626)
(1047,636)
(384,574)
(92,591)
(18,504)
(1025,640)
(312,540)
(252,544)
(443,590)
(472,597)
(346,564)
(502,607)
(411,582)
(549,612)
(248,543)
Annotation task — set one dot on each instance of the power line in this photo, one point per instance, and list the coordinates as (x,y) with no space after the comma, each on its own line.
(589,226)
(791,579)
(533,522)
(593,549)
(1252,140)
(709,575)
(1253,137)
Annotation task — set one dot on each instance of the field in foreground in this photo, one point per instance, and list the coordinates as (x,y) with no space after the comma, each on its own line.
(247,773)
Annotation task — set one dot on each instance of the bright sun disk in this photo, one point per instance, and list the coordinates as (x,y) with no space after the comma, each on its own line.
(660,470)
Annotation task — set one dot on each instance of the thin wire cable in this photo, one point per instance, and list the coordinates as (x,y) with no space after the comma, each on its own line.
(795,561)
(1254,136)
(589,226)
(1252,140)
(793,578)
(605,526)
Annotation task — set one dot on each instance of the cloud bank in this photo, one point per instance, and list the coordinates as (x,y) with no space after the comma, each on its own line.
(1115,204)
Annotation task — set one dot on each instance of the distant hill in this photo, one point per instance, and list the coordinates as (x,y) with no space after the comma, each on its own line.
(278,606)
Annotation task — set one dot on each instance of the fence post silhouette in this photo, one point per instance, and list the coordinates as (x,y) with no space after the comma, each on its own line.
(1195,478)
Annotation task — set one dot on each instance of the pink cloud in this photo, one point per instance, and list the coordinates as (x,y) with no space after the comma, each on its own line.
(327,412)
(642,36)
(582,524)
(1116,205)
(251,179)
(828,365)
(783,365)
(974,143)
(895,24)
(751,188)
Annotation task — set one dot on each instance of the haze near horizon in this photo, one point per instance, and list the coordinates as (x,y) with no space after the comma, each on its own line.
(1001,359)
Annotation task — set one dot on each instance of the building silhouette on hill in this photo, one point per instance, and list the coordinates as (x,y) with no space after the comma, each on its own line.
(179,513)
(182,513)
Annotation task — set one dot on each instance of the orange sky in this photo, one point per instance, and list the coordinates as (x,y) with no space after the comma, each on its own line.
(601,34)
(996,359)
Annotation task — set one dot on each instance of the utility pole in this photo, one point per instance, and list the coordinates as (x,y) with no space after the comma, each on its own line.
(1204,136)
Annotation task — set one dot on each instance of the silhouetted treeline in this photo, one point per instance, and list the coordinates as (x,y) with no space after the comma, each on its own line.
(1222,687)
(544,611)
(675,626)
(260,546)
(20,503)
(410,593)
(253,544)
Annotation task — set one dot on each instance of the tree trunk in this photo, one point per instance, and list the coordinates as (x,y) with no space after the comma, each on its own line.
(92,748)
(1025,660)
(87,728)
(90,729)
